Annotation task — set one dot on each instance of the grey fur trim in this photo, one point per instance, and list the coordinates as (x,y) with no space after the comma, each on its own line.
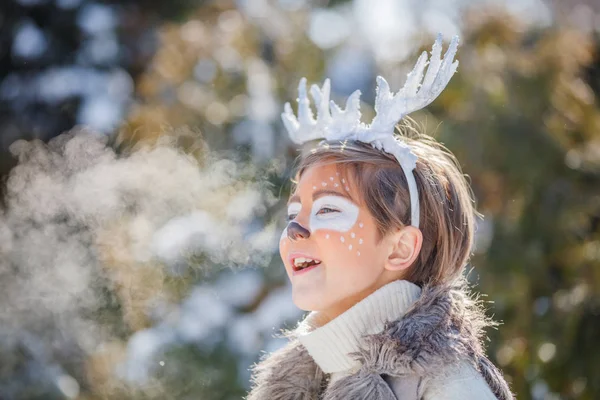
(494,379)
(360,386)
(287,374)
(444,326)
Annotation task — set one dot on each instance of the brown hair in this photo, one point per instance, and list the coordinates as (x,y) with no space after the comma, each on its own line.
(445,199)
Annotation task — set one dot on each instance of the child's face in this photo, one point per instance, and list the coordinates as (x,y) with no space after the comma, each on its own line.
(329,227)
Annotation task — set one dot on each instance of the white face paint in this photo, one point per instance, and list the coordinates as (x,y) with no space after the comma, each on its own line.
(293,210)
(333,212)
(328,212)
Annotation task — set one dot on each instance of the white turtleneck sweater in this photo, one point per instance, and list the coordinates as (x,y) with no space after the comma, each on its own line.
(330,345)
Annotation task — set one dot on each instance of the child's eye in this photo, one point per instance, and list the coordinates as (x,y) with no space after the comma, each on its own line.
(291,216)
(327,210)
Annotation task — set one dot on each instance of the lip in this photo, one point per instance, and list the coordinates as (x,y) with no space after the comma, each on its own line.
(293,256)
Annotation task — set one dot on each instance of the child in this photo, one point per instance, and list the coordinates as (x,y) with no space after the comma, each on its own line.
(380,229)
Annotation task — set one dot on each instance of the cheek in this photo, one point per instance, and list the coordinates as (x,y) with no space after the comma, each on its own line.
(349,246)
(356,247)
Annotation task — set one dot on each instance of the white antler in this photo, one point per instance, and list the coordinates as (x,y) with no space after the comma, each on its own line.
(333,123)
(305,127)
(345,122)
(417,92)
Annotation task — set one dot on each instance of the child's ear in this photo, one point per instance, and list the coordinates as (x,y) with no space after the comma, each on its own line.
(405,245)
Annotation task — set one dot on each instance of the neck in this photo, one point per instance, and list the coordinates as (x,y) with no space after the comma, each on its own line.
(322,317)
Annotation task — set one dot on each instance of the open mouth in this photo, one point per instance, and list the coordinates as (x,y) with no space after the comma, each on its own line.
(304,263)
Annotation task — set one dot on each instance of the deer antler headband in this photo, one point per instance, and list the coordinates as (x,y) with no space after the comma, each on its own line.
(333,123)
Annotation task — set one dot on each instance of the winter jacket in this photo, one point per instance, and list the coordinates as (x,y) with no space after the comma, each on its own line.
(400,343)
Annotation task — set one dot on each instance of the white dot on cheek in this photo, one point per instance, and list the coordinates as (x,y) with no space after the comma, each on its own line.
(342,239)
(347,188)
(350,247)
(352,235)
(360,241)
(331,178)
(327,236)
(358,253)
(323,184)
(336,185)
(314,188)
(360,225)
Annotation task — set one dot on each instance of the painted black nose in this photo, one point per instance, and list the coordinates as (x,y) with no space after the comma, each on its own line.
(296,231)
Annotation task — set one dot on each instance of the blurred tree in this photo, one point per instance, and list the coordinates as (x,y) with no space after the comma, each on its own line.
(68,62)
(521,115)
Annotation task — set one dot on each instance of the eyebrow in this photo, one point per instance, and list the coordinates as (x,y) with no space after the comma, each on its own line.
(319,193)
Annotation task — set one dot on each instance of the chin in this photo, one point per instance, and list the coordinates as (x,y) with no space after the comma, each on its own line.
(306,303)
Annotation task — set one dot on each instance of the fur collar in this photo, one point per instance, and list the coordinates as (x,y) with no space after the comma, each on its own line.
(444,325)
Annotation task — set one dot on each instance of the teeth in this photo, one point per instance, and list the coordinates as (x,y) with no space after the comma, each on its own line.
(301,260)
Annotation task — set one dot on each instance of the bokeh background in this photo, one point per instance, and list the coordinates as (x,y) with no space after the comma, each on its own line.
(145,169)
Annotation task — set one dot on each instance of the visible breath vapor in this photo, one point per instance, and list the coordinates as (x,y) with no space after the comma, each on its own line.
(86,234)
